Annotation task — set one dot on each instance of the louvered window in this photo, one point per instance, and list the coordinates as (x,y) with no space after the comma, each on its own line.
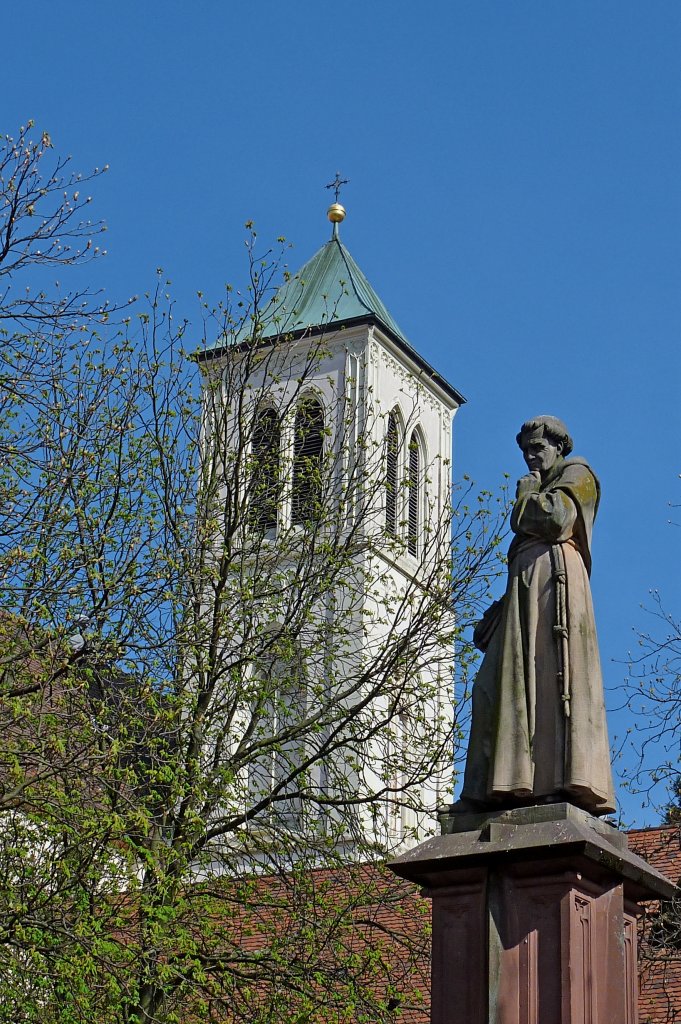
(290,752)
(265,484)
(391,454)
(277,717)
(414,495)
(308,450)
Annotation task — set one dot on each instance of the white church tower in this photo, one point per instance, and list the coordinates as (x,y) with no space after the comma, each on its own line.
(349,439)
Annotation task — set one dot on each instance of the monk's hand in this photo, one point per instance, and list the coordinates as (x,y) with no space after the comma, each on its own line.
(529,482)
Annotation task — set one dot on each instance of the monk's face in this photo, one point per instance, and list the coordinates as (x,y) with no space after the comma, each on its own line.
(541,454)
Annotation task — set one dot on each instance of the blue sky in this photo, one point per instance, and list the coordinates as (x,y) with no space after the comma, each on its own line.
(514,198)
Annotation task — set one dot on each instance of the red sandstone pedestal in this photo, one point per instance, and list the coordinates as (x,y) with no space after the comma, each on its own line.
(534,917)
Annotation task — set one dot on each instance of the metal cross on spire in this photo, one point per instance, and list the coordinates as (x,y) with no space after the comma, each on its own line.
(336,185)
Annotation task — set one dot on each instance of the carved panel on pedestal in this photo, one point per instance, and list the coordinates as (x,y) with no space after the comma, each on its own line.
(582,968)
(630,970)
(459,971)
(529,987)
(599,985)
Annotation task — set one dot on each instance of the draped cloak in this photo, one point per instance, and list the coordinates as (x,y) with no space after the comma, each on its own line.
(522,745)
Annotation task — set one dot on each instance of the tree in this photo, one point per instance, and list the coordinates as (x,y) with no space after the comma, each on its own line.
(673,812)
(653,696)
(43,231)
(204,719)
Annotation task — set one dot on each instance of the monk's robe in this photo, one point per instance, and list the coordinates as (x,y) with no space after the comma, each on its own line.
(529,738)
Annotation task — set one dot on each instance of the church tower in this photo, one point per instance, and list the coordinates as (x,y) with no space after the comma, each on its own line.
(348,437)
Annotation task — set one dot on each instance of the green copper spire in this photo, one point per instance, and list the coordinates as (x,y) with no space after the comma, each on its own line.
(329,289)
(328,293)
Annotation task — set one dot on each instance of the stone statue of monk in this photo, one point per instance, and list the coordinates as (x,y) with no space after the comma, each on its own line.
(538,732)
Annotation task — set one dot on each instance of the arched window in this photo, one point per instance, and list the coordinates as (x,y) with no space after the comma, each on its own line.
(308,451)
(391,475)
(414,480)
(279,711)
(265,483)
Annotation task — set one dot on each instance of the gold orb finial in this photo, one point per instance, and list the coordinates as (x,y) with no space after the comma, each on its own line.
(336,213)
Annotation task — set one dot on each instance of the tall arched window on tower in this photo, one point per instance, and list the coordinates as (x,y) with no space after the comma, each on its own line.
(392,442)
(277,716)
(308,451)
(265,482)
(414,519)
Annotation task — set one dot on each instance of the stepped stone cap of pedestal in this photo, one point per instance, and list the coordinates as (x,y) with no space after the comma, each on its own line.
(549,837)
(455,821)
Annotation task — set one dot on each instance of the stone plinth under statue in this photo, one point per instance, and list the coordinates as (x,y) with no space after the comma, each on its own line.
(534,917)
